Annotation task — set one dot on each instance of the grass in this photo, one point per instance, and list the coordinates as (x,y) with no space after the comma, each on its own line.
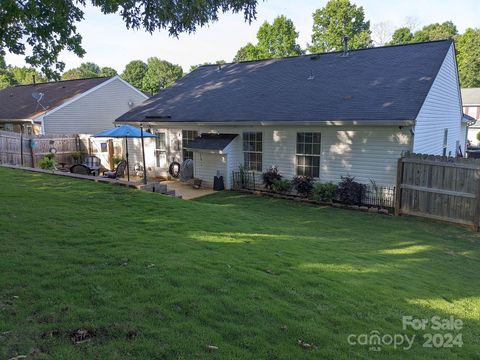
(150,276)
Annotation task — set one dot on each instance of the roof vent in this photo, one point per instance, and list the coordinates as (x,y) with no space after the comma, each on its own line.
(314,57)
(311,76)
(345,46)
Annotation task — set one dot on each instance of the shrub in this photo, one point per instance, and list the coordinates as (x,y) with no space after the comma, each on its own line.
(47,163)
(350,192)
(270,176)
(324,192)
(116,160)
(303,185)
(478,136)
(281,186)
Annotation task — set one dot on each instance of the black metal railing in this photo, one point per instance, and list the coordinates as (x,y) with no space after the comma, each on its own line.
(244,180)
(380,196)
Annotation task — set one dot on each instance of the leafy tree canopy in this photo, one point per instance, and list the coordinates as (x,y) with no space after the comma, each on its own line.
(247,52)
(278,39)
(85,70)
(337,19)
(437,31)
(25,75)
(468,49)
(160,74)
(134,73)
(49,26)
(195,67)
(401,36)
(107,71)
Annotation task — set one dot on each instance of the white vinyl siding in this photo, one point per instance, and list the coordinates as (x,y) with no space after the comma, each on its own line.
(441,109)
(364,152)
(206,165)
(95,111)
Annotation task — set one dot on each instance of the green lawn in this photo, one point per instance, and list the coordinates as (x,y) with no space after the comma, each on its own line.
(151,276)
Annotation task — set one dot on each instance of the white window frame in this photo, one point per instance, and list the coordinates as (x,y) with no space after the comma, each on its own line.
(305,154)
(246,164)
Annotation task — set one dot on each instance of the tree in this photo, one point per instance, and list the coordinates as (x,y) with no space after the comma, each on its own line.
(337,19)
(6,79)
(85,70)
(24,75)
(195,67)
(382,33)
(71,74)
(160,74)
(247,52)
(402,36)
(134,73)
(468,57)
(107,72)
(275,40)
(278,39)
(437,31)
(49,26)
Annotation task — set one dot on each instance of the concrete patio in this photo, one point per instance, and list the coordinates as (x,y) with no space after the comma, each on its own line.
(185,190)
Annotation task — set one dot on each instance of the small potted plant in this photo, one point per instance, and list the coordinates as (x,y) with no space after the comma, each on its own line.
(197,183)
(76,156)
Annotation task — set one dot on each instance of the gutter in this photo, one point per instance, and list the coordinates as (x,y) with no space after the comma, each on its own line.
(273,123)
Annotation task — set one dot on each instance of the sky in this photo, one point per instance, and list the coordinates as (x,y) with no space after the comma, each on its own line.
(108,43)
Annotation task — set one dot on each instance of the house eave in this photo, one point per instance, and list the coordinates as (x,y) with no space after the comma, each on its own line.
(273,123)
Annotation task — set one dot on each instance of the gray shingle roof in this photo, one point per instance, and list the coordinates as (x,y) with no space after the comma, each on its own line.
(377,84)
(471,96)
(17,102)
(211,141)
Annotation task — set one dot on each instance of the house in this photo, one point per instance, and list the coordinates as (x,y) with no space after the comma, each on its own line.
(83,106)
(325,115)
(471,108)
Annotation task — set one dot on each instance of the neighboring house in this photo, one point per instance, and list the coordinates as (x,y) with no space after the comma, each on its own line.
(471,108)
(325,115)
(82,106)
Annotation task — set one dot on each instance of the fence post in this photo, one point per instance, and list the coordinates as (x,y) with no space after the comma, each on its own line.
(398,189)
(476,216)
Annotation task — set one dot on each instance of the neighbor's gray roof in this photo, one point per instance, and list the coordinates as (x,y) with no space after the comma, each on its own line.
(17,102)
(211,141)
(471,96)
(385,83)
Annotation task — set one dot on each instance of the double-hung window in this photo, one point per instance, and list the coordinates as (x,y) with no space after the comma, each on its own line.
(160,150)
(252,151)
(308,153)
(187,137)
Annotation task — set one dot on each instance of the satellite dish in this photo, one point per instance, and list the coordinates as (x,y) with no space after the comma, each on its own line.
(37,95)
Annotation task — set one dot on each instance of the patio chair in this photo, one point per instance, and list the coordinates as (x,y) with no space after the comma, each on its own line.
(93,163)
(80,169)
(118,172)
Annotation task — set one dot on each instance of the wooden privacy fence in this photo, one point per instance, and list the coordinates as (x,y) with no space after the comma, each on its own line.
(441,188)
(28,150)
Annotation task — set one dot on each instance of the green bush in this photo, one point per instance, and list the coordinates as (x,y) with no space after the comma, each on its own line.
(47,163)
(116,160)
(270,176)
(324,192)
(303,185)
(281,185)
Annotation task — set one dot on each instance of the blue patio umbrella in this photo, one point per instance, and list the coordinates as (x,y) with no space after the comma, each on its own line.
(128,131)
